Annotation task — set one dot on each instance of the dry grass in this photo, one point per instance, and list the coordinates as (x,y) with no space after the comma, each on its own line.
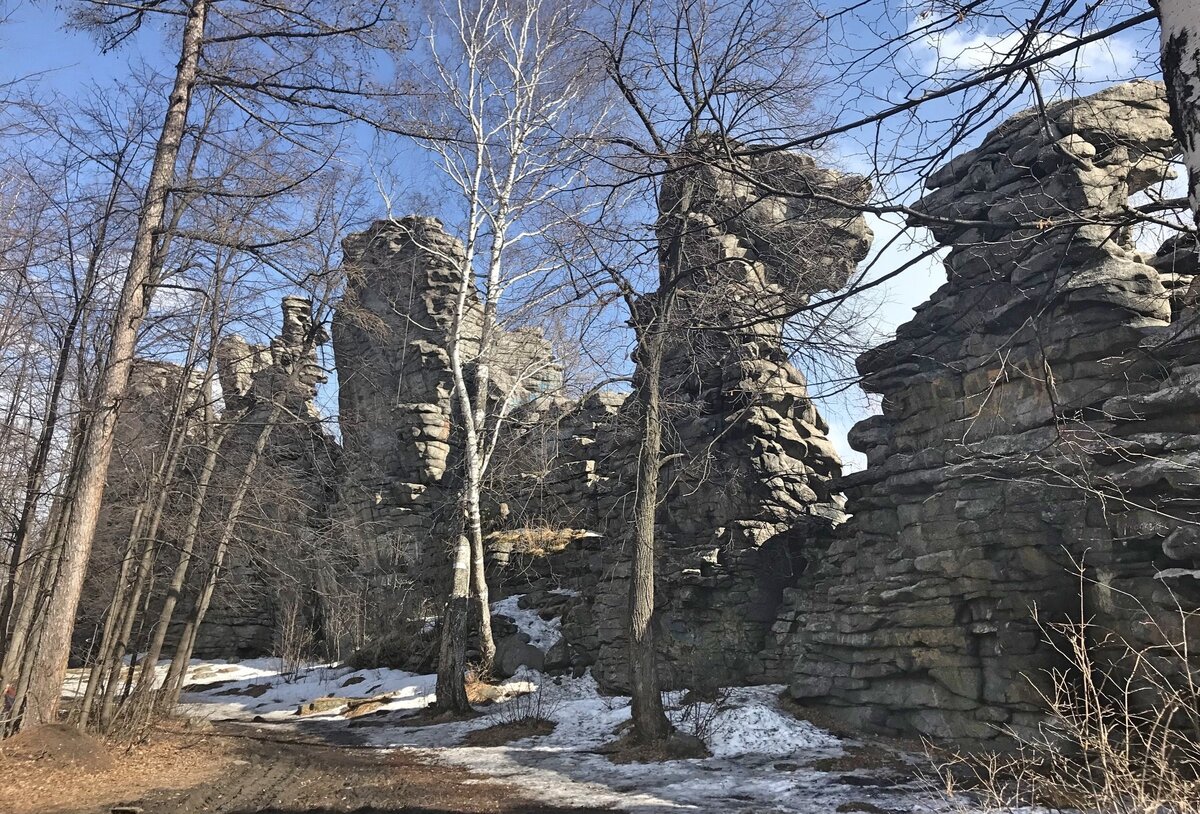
(500,734)
(871,757)
(537,542)
(1122,734)
(481,692)
(677,746)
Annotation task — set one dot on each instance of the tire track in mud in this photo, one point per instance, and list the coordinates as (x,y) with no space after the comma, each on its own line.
(280,772)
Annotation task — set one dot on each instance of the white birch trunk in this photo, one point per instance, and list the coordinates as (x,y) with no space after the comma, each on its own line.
(1181,71)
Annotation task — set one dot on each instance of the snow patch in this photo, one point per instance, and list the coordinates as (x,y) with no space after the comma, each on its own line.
(748,723)
(763,758)
(543,634)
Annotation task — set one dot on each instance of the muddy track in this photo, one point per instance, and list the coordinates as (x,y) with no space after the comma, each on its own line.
(277,772)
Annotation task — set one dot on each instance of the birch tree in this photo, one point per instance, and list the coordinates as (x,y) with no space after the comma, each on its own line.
(1180,21)
(506,140)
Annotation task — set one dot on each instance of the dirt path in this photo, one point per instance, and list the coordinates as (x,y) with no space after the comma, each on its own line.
(258,770)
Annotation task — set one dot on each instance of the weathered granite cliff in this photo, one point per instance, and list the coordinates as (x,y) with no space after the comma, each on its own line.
(1039,410)
(391,338)
(1039,416)
(746,491)
(271,586)
(271,571)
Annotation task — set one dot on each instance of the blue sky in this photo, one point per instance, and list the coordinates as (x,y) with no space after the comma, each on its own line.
(33,43)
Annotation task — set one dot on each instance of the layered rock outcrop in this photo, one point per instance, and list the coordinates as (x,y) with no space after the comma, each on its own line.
(746,490)
(391,343)
(278,572)
(391,336)
(272,567)
(1038,411)
(1036,451)
(142,433)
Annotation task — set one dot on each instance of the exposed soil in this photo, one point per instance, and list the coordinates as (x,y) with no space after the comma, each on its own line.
(500,734)
(872,757)
(41,772)
(677,746)
(236,769)
(57,745)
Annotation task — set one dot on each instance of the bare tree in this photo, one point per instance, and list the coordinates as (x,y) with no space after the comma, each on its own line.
(684,71)
(507,142)
(96,446)
(300,45)
(1181,69)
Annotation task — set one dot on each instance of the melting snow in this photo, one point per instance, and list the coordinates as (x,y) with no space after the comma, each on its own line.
(543,634)
(763,759)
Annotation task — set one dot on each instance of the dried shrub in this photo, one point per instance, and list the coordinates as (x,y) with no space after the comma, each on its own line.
(535,541)
(1122,734)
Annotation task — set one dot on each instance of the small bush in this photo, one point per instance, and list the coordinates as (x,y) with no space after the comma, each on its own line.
(1122,734)
(698,711)
(536,541)
(538,704)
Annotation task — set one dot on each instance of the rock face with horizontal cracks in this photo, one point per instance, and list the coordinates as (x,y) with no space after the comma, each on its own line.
(1039,409)
(278,591)
(391,343)
(392,337)
(746,487)
(270,570)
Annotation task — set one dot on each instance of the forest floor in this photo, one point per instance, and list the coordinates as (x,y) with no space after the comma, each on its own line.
(262,737)
(232,768)
(547,739)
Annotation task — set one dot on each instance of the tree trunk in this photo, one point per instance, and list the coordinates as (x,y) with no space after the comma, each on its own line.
(187,641)
(1180,21)
(212,442)
(160,486)
(99,666)
(45,442)
(27,628)
(649,719)
(479,586)
(27,659)
(468,584)
(1181,70)
(123,610)
(88,489)
(451,691)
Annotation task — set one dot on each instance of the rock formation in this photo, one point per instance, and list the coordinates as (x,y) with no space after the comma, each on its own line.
(1038,417)
(271,570)
(391,336)
(141,437)
(1039,409)
(390,341)
(278,562)
(746,490)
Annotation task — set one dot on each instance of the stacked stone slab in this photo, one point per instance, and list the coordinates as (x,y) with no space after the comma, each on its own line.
(554,468)
(391,338)
(746,490)
(274,567)
(1038,410)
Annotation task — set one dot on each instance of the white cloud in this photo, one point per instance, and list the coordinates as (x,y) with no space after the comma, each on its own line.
(962,49)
